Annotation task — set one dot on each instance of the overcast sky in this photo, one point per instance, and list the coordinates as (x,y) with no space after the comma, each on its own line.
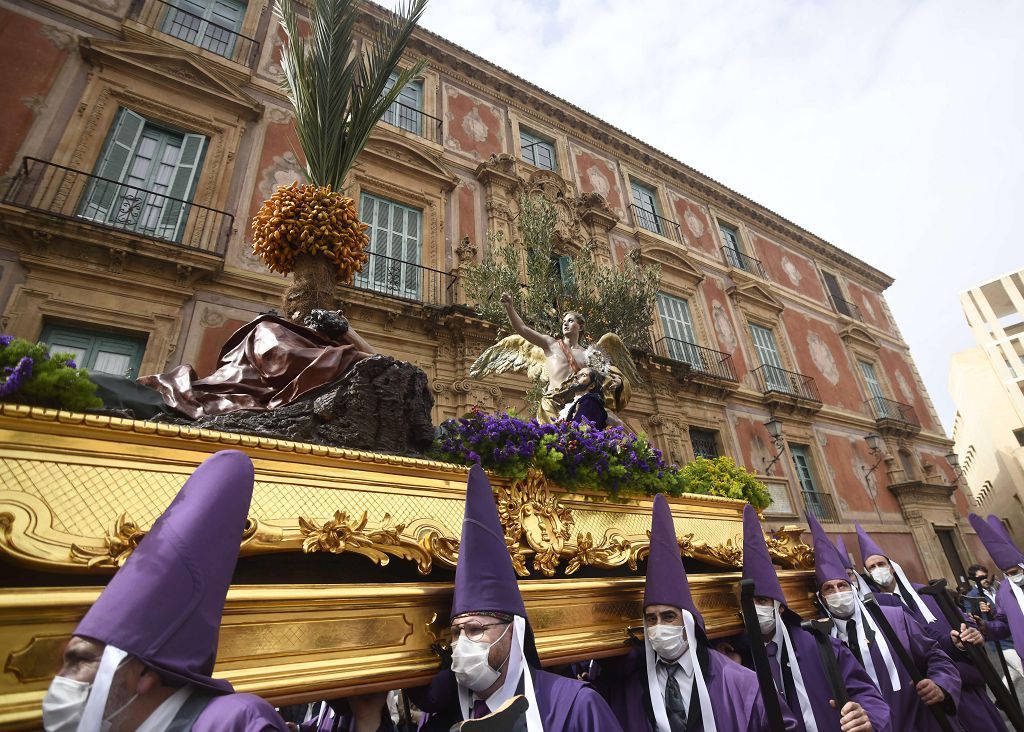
(894,130)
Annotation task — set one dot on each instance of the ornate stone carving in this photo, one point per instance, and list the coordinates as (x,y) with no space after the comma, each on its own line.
(529,511)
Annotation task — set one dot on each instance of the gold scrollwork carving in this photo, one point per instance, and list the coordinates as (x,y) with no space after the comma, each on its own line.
(785,548)
(345,534)
(529,512)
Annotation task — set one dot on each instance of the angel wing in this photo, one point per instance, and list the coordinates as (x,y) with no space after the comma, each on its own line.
(618,355)
(513,353)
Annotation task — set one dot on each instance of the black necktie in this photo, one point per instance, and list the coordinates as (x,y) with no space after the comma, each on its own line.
(674,706)
(852,640)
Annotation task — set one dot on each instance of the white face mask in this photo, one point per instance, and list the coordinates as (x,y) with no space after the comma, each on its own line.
(882,576)
(765,618)
(668,641)
(1017,579)
(64,703)
(470,666)
(841,604)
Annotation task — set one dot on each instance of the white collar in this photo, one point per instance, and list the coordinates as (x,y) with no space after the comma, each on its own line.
(683,662)
(164,714)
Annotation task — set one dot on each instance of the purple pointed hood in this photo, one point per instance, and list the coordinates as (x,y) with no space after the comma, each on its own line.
(1003,551)
(828,565)
(843,554)
(164,605)
(666,577)
(757,562)
(484,578)
(868,547)
(999,526)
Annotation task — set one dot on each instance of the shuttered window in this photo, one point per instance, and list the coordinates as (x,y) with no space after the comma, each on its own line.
(394,251)
(836,293)
(407,110)
(768,355)
(96,350)
(680,343)
(145,178)
(733,251)
(209,24)
(536,150)
(646,208)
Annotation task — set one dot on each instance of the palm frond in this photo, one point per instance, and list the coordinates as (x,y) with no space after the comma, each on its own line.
(337,86)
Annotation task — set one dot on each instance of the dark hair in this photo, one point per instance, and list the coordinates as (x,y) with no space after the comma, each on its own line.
(974,569)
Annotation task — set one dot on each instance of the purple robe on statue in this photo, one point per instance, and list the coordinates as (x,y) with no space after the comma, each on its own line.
(733,689)
(566,705)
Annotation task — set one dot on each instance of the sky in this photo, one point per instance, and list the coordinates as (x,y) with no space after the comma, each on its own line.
(892,129)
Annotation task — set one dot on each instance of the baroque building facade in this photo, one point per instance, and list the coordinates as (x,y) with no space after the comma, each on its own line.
(141,136)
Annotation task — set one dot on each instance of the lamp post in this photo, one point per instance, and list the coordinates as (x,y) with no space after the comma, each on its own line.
(774,428)
(954,462)
(875,446)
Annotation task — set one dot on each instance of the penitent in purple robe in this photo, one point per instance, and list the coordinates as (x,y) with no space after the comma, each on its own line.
(566,705)
(238,713)
(859,686)
(908,711)
(733,689)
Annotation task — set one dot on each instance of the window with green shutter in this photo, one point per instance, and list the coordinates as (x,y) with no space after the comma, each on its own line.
(394,251)
(209,24)
(768,354)
(645,207)
(407,110)
(98,351)
(145,178)
(536,150)
(680,342)
(733,250)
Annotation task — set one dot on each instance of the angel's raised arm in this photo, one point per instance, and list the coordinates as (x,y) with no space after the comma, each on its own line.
(537,339)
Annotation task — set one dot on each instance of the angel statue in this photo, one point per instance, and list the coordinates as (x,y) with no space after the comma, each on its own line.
(593,382)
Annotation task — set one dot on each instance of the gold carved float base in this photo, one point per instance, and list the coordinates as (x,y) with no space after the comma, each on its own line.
(78,492)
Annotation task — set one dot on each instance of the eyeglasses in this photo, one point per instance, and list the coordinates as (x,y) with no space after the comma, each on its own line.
(473,631)
(981,577)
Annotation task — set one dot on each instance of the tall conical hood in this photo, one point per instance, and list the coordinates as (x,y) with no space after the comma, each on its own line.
(1004,552)
(868,547)
(666,576)
(828,565)
(999,526)
(484,578)
(843,554)
(757,562)
(164,605)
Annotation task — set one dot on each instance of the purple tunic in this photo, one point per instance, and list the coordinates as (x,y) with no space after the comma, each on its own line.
(975,708)
(907,710)
(566,705)
(859,686)
(239,713)
(733,689)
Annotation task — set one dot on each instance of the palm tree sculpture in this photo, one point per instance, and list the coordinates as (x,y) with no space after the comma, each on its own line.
(339,90)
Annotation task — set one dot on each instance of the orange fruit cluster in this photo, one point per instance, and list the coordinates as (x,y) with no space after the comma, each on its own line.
(308,219)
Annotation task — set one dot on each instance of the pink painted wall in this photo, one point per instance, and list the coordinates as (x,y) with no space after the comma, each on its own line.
(870,305)
(901,378)
(722,324)
(695,224)
(596,174)
(820,354)
(788,268)
(472,125)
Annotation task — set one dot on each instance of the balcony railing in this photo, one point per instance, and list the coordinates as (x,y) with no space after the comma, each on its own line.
(71,194)
(882,408)
(847,308)
(773,379)
(647,219)
(739,260)
(413,120)
(406,281)
(704,360)
(170,18)
(821,505)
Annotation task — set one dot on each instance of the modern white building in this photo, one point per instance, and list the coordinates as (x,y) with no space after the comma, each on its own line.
(987,384)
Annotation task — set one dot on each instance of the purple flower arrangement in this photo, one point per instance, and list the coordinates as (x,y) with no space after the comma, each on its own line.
(573,455)
(29,375)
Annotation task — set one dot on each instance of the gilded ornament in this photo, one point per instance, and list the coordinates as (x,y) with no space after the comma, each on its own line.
(118,545)
(343,534)
(527,510)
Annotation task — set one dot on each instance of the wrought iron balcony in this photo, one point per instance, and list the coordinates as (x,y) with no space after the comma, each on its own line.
(406,281)
(647,219)
(887,409)
(847,308)
(170,18)
(703,360)
(71,194)
(737,259)
(773,379)
(413,120)
(821,505)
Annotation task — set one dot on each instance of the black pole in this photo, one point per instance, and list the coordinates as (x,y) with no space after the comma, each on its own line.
(990,615)
(765,680)
(821,629)
(908,663)
(937,589)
